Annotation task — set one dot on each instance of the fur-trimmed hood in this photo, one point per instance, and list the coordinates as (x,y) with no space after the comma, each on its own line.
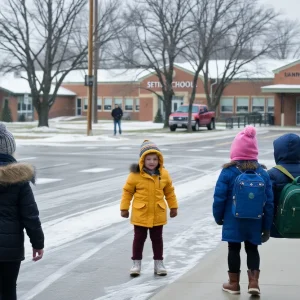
(16,173)
(244,165)
(134,168)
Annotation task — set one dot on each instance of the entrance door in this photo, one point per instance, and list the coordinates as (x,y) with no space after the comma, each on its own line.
(298,112)
(78,107)
(176,102)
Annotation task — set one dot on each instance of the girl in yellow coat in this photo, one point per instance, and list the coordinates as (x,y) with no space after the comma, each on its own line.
(149,185)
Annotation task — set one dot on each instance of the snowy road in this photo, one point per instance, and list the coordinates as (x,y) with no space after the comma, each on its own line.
(88,245)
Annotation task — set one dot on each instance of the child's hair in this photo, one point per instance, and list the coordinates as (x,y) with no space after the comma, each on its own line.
(244,165)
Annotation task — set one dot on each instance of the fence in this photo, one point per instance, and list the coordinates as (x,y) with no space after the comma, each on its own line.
(247,119)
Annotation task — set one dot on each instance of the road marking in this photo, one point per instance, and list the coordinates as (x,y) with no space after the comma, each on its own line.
(271,136)
(46,180)
(191,168)
(195,150)
(26,158)
(208,147)
(39,288)
(124,148)
(91,148)
(222,144)
(53,166)
(223,151)
(95,170)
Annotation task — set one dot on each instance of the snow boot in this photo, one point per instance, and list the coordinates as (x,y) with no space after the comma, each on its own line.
(233,285)
(136,268)
(159,268)
(253,287)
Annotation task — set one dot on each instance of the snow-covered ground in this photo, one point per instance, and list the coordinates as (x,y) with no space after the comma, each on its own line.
(63,131)
(88,244)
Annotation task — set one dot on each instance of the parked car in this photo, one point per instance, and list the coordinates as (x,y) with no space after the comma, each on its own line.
(200,117)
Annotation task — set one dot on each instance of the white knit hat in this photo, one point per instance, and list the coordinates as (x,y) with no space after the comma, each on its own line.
(7,141)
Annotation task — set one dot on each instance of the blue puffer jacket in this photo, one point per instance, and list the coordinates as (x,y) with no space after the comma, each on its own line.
(234,229)
(286,154)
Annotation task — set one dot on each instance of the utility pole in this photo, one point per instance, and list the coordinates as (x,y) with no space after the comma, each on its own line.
(90,69)
(96,62)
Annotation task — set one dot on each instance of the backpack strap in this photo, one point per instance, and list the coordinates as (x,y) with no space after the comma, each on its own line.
(284,171)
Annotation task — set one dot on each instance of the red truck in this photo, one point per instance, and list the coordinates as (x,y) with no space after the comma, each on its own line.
(200,117)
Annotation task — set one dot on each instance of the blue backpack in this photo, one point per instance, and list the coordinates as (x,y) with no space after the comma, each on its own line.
(249,196)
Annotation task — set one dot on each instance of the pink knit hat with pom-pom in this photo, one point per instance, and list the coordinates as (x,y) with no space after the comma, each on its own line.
(244,145)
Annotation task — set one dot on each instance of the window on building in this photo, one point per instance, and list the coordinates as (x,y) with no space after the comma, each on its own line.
(119,101)
(242,105)
(270,105)
(99,104)
(137,104)
(85,103)
(226,105)
(129,104)
(25,108)
(258,105)
(107,103)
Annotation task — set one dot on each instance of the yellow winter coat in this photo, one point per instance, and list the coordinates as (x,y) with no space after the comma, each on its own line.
(149,193)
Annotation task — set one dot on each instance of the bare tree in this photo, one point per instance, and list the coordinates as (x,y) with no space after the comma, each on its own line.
(249,36)
(160,28)
(211,23)
(49,35)
(233,29)
(285,35)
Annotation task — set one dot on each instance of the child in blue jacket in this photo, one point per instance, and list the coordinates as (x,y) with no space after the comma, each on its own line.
(253,232)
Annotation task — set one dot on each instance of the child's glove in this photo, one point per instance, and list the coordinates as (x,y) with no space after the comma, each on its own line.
(265,236)
(173,212)
(124,213)
(220,222)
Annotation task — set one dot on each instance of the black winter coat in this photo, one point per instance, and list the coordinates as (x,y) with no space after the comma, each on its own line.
(117,113)
(18,210)
(286,154)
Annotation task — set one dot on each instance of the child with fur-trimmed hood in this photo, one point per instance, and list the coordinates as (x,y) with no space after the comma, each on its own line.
(253,232)
(149,185)
(18,211)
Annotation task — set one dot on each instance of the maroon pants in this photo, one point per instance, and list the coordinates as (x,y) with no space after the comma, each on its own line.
(140,236)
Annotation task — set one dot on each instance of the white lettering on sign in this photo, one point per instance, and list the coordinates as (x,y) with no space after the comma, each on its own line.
(176,84)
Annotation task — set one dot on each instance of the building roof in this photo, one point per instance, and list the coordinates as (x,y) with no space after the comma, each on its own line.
(109,76)
(286,66)
(16,85)
(258,69)
(281,88)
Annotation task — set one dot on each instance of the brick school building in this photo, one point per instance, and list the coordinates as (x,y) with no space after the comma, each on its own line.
(265,87)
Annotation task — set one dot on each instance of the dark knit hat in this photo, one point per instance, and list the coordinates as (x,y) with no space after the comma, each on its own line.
(148,145)
(7,141)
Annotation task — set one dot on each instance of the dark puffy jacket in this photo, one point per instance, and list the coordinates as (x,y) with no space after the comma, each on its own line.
(117,113)
(18,210)
(286,154)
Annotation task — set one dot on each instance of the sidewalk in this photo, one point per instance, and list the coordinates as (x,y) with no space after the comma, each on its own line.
(279,280)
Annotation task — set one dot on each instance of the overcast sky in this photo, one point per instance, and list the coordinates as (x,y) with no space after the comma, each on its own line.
(291,8)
